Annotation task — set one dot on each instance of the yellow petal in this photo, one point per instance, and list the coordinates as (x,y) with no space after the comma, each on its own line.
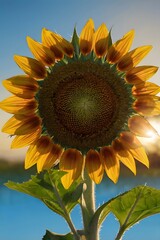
(86,37)
(151,112)
(25,140)
(66,46)
(145,88)
(146,105)
(129,140)
(120,48)
(156,109)
(141,73)
(110,163)
(22,86)
(101,41)
(31,156)
(94,166)
(18,105)
(37,151)
(140,154)
(40,52)
(124,155)
(54,157)
(52,43)
(135,148)
(71,162)
(21,125)
(131,59)
(141,127)
(31,66)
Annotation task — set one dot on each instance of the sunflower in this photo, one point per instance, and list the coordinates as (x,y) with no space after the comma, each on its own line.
(82,104)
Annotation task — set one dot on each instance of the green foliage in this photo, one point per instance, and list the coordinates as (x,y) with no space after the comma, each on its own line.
(136,204)
(53,236)
(75,43)
(129,208)
(48,188)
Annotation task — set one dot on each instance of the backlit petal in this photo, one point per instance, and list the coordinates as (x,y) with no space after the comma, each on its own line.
(124,155)
(141,73)
(51,42)
(21,125)
(129,140)
(134,147)
(120,48)
(25,140)
(31,66)
(146,105)
(101,40)
(94,166)
(22,86)
(145,88)
(140,155)
(71,162)
(18,105)
(110,163)
(38,151)
(66,46)
(86,37)
(132,58)
(141,127)
(54,157)
(40,52)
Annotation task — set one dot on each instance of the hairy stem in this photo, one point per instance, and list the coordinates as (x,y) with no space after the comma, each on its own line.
(88,206)
(120,233)
(67,216)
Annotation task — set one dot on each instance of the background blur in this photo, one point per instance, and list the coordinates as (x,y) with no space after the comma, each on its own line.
(23,215)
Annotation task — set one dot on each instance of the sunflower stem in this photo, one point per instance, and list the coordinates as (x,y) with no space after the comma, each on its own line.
(120,234)
(88,206)
(67,216)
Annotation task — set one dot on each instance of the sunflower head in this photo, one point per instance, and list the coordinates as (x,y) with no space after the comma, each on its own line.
(82,103)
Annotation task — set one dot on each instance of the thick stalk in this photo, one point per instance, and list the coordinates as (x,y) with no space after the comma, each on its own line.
(88,206)
(67,216)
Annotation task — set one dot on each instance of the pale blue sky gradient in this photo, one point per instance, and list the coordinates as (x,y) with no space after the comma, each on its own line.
(21,18)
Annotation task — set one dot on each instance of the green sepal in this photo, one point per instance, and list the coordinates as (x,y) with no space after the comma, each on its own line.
(109,39)
(129,208)
(44,187)
(75,43)
(53,236)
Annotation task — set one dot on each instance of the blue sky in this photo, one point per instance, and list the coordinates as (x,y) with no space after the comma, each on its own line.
(21,18)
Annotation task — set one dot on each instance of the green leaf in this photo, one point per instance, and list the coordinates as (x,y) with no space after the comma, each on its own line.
(48,188)
(136,204)
(53,236)
(75,43)
(129,208)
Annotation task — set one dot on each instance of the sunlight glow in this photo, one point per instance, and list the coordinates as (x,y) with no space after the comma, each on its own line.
(152,143)
(151,134)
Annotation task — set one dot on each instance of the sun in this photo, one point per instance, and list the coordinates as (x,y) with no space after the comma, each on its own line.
(152,142)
